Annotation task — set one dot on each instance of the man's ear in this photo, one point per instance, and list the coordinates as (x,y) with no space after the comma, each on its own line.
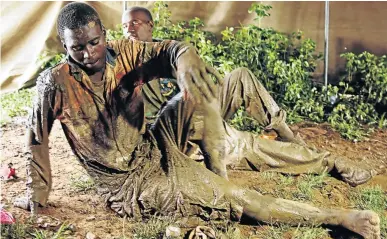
(103,30)
(151,23)
(64,46)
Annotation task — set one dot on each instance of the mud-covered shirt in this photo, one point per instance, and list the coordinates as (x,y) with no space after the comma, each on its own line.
(102,127)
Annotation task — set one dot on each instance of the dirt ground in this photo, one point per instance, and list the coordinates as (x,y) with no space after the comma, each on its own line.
(86,210)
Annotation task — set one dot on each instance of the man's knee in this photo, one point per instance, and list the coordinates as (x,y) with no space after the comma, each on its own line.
(241,70)
(241,75)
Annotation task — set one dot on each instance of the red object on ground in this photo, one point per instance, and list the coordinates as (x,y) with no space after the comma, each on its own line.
(6,217)
(12,173)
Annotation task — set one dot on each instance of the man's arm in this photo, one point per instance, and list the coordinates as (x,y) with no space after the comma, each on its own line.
(165,59)
(40,124)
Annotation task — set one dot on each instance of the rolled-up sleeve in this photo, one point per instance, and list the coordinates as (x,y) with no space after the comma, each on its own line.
(40,123)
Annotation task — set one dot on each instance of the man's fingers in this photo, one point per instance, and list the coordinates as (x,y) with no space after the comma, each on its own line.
(189,86)
(201,85)
(215,73)
(210,83)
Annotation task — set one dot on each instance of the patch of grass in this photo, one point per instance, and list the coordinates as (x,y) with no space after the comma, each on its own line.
(82,183)
(306,184)
(40,234)
(383,225)
(286,180)
(22,231)
(154,228)
(280,231)
(228,230)
(269,175)
(61,233)
(310,233)
(371,198)
(45,234)
(375,199)
(283,188)
(16,230)
(274,232)
(16,104)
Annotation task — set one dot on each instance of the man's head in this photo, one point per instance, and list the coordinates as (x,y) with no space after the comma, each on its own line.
(10,165)
(137,24)
(83,36)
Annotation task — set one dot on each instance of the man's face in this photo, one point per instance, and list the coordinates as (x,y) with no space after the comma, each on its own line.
(136,25)
(86,46)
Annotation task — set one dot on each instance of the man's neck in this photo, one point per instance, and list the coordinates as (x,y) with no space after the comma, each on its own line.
(96,77)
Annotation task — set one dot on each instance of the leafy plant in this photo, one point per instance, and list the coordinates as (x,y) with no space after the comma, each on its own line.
(241,121)
(15,104)
(115,34)
(50,59)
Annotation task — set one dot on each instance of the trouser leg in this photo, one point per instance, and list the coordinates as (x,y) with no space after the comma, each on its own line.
(246,150)
(175,125)
(242,88)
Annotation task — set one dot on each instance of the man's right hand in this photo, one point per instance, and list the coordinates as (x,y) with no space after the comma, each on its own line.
(193,77)
(26,204)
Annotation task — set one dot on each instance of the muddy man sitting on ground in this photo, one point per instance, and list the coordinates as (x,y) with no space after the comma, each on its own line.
(96,95)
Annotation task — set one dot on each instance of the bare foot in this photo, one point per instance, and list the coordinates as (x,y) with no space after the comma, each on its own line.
(365,223)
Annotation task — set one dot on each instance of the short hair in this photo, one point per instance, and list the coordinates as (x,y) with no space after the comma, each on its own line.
(141,9)
(75,15)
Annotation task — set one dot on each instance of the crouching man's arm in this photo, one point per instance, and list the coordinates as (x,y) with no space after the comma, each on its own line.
(37,157)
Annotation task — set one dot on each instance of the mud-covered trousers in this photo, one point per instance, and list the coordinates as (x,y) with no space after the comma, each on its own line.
(246,150)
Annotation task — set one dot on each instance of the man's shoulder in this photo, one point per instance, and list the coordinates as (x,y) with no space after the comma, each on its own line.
(52,75)
(115,43)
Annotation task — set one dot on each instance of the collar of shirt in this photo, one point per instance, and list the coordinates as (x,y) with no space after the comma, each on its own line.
(76,71)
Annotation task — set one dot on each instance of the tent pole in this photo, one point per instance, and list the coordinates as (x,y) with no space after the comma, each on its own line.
(124,3)
(326,42)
